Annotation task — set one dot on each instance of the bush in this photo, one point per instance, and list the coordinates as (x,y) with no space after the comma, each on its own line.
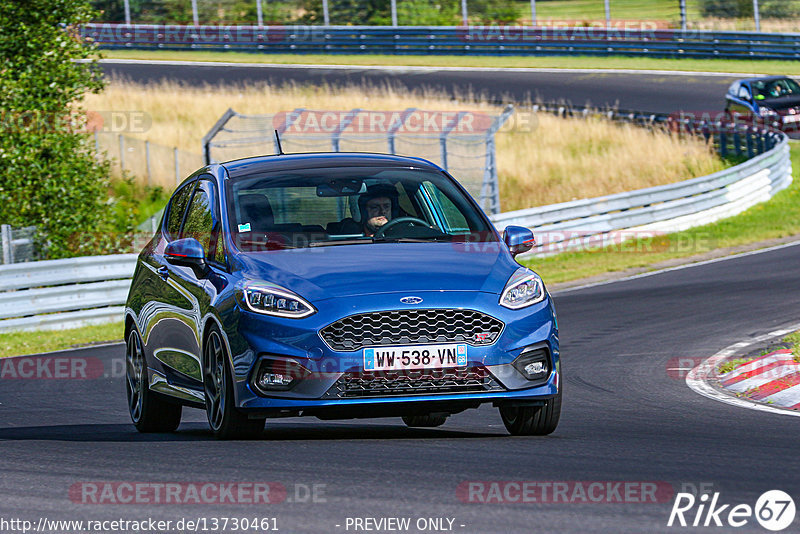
(52,177)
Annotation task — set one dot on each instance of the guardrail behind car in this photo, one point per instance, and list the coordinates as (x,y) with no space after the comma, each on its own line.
(93,289)
(667,208)
(85,290)
(504,39)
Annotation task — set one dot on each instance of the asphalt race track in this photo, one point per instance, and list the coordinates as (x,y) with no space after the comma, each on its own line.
(628,415)
(626,418)
(658,93)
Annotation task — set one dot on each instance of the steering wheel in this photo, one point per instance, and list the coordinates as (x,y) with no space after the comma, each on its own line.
(413,221)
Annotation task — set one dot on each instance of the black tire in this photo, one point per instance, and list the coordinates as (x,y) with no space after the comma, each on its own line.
(429,420)
(149,411)
(532,420)
(225,420)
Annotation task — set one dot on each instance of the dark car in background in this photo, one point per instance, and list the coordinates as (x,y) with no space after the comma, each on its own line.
(770,100)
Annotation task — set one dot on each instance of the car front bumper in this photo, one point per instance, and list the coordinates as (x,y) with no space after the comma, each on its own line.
(259,337)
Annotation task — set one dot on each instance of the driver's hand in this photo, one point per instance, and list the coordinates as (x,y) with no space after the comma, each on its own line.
(377,222)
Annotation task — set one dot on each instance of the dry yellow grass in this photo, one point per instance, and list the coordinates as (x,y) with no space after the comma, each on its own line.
(557,160)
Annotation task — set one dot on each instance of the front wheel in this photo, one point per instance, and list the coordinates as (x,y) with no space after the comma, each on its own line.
(149,411)
(225,420)
(532,420)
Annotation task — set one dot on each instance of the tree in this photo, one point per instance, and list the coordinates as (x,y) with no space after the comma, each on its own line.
(52,177)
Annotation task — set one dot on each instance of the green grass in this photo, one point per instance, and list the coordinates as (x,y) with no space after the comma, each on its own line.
(794,339)
(573,62)
(730,365)
(20,343)
(779,217)
(667,10)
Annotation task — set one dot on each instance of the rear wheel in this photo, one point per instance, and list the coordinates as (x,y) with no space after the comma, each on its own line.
(429,420)
(149,411)
(532,420)
(225,420)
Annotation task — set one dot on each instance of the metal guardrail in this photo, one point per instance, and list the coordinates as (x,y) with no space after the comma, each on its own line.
(58,294)
(83,291)
(452,40)
(662,209)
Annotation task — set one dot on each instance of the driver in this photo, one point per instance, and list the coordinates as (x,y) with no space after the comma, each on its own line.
(378,205)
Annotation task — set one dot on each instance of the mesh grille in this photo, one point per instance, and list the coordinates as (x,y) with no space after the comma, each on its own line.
(397,327)
(422,382)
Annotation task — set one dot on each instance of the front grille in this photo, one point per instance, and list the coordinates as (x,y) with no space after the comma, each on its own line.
(403,327)
(421,382)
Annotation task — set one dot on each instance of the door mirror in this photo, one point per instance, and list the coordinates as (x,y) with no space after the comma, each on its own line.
(187,252)
(518,239)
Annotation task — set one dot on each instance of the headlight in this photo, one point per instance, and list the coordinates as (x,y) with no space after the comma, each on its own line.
(270,299)
(766,112)
(523,289)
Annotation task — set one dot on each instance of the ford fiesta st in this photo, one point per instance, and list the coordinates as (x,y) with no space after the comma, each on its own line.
(336,286)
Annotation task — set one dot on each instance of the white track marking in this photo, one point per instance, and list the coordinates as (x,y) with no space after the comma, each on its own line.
(410,68)
(678,268)
(697,379)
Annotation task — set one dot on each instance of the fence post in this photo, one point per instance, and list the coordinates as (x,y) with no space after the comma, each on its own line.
(127,12)
(464,14)
(608,15)
(121,153)
(195,17)
(394,13)
(490,191)
(147,160)
(756,15)
(683,15)
(326,17)
(533,13)
(343,124)
(259,14)
(5,230)
(177,171)
(391,134)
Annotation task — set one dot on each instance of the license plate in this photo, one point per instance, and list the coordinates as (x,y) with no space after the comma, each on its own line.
(415,357)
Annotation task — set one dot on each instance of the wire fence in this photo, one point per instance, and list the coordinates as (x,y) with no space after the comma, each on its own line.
(462,143)
(719,15)
(18,244)
(150,163)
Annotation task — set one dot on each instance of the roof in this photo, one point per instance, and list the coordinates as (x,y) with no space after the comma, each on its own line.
(763,79)
(247,166)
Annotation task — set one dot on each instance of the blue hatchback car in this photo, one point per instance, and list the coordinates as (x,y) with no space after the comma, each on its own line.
(337,286)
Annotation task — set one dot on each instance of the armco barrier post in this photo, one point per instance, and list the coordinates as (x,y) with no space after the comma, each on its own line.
(5,231)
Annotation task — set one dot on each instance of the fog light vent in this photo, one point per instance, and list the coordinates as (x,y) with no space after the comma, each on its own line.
(533,363)
(278,375)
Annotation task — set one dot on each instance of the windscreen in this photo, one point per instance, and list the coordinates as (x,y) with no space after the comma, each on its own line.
(350,206)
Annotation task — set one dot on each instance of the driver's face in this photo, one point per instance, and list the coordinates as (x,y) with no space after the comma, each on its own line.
(379,207)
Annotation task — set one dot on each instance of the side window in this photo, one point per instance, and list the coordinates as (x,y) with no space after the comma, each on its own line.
(199,220)
(176,208)
(453,218)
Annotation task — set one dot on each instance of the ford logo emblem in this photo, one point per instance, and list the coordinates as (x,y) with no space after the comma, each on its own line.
(411,300)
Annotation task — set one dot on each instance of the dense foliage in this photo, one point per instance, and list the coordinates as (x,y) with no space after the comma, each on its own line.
(52,177)
(344,12)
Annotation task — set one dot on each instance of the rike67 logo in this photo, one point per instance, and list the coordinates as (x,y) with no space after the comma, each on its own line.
(774,510)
